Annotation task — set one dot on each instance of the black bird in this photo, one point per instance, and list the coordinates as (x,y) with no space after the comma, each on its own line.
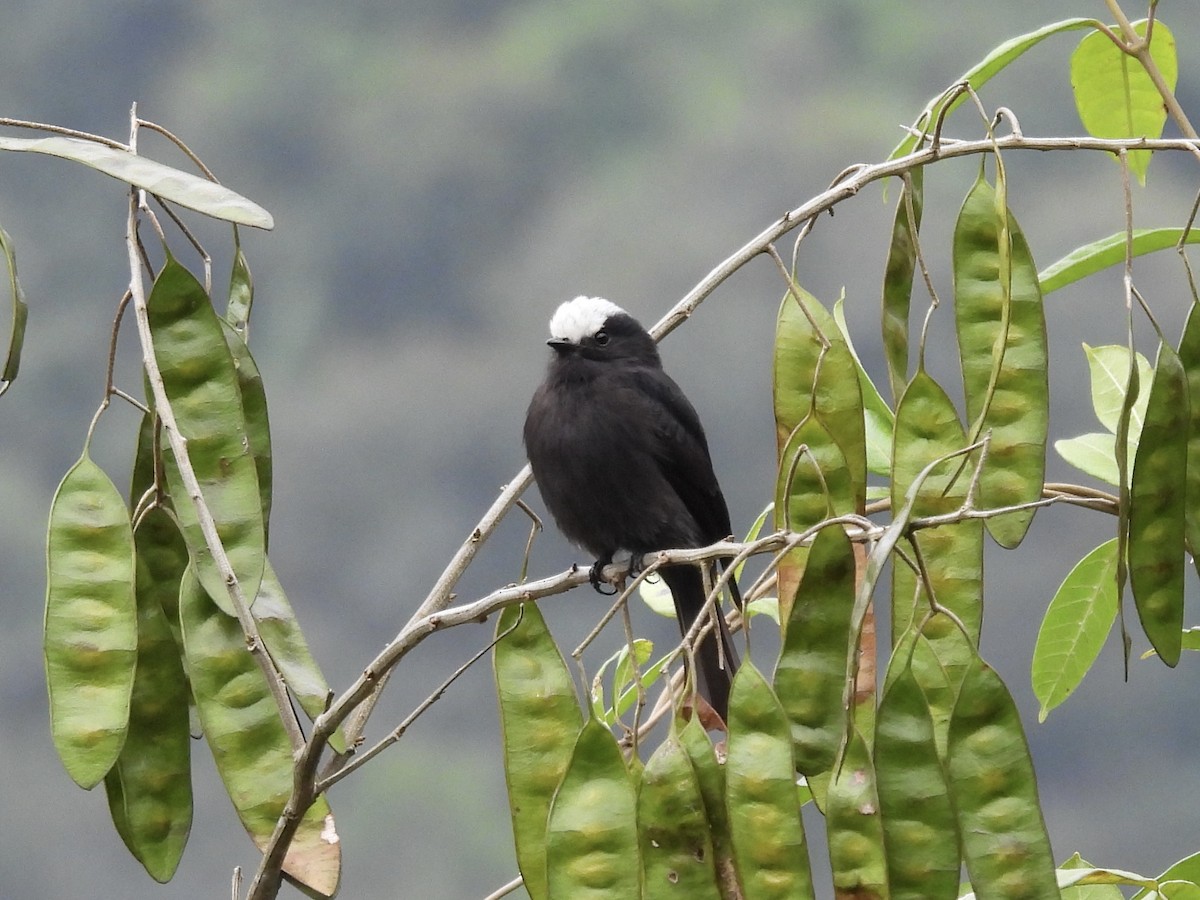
(622,463)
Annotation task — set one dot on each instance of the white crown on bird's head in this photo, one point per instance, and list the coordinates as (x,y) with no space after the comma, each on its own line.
(581,318)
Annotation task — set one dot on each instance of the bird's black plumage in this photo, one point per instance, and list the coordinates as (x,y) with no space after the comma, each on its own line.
(622,462)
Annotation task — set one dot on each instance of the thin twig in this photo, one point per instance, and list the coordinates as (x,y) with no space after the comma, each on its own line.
(945,149)
(178,142)
(187,473)
(396,733)
(435,612)
(205,259)
(506,889)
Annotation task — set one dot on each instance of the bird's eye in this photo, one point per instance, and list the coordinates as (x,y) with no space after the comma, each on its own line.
(601,338)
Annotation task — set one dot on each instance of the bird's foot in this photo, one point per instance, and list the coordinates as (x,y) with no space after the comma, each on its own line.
(636,567)
(596,577)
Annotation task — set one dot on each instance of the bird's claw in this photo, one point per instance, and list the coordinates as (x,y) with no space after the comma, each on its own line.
(596,577)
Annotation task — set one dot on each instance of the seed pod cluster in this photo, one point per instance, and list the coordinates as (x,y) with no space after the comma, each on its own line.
(131,641)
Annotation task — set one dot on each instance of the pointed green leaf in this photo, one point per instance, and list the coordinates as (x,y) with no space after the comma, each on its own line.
(1109,251)
(1109,370)
(1080,880)
(1187,869)
(1076,624)
(1115,96)
(983,71)
(180,187)
(1093,453)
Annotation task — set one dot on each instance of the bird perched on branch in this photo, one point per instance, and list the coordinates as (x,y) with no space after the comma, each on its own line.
(622,463)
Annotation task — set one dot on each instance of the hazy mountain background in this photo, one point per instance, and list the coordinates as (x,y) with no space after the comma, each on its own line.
(442,174)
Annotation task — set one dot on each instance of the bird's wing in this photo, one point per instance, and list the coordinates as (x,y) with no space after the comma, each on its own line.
(681,450)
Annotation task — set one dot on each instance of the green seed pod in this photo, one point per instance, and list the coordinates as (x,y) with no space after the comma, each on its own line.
(1002,345)
(769,847)
(810,677)
(855,831)
(201,382)
(898,280)
(995,795)
(150,787)
(710,775)
(812,483)
(539,723)
(806,381)
(249,744)
(919,832)
(673,830)
(281,634)
(1189,358)
(241,291)
(258,429)
(1156,508)
(927,427)
(592,836)
(90,638)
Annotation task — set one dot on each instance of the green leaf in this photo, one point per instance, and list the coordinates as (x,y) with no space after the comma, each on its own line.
(656,595)
(1109,368)
(1187,868)
(1077,622)
(1109,251)
(1093,453)
(763,606)
(983,71)
(180,187)
(1114,94)
(1080,880)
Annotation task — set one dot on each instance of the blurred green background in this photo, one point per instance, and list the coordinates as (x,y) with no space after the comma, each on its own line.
(442,174)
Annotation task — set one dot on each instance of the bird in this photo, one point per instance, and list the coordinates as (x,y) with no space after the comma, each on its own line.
(622,463)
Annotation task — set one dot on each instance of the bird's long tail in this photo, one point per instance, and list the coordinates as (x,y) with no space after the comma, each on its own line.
(716,658)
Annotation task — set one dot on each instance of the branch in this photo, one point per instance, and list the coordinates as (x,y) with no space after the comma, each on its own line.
(435,612)
(1139,48)
(860,177)
(178,443)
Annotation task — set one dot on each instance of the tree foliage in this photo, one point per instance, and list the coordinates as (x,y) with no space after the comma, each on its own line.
(170,602)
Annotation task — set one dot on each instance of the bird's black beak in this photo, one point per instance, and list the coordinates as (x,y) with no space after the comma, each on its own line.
(560,345)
